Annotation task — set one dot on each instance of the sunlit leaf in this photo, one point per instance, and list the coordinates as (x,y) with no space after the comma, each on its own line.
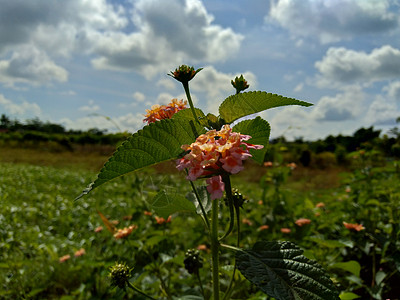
(155,143)
(244,104)
(204,198)
(281,271)
(259,131)
(167,203)
(351,266)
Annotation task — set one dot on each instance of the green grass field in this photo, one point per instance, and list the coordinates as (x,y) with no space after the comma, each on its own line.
(40,222)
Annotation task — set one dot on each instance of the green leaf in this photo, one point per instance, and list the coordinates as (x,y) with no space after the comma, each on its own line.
(187,114)
(155,143)
(204,198)
(348,296)
(167,203)
(328,243)
(281,271)
(259,130)
(244,104)
(351,266)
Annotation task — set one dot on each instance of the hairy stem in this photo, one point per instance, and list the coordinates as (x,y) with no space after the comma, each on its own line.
(139,291)
(229,196)
(186,87)
(215,250)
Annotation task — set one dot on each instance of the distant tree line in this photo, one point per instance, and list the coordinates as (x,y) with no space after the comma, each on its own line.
(35,130)
(331,147)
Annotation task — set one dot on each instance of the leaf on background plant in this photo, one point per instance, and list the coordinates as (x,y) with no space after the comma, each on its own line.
(244,104)
(167,203)
(281,271)
(110,227)
(259,131)
(328,243)
(351,266)
(348,296)
(155,143)
(204,198)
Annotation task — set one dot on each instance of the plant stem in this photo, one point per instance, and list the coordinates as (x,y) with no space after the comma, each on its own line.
(203,211)
(229,290)
(139,291)
(186,87)
(215,250)
(229,196)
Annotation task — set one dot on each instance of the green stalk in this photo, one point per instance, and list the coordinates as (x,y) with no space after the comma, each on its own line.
(139,291)
(215,250)
(203,211)
(186,87)
(229,196)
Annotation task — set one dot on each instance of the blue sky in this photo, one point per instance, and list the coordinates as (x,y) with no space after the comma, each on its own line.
(74,62)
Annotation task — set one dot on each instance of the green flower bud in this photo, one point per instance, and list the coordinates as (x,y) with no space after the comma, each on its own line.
(239,84)
(184,73)
(120,274)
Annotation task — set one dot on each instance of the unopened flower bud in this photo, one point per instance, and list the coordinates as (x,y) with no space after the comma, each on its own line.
(240,84)
(184,73)
(120,274)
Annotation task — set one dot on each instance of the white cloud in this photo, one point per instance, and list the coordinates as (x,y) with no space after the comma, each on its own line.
(382,111)
(22,109)
(343,66)
(217,85)
(167,83)
(393,90)
(164,40)
(332,21)
(139,97)
(30,65)
(343,106)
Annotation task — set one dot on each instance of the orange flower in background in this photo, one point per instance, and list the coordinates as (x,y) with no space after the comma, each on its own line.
(268,164)
(292,166)
(64,258)
(263,227)
(302,222)
(286,230)
(161,220)
(355,226)
(247,221)
(148,213)
(320,205)
(80,252)
(98,229)
(160,112)
(122,233)
(202,247)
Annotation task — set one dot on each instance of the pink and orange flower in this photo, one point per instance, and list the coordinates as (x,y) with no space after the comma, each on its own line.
(216,153)
(355,226)
(303,221)
(160,112)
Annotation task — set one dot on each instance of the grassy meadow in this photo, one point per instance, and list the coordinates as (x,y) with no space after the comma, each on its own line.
(41,225)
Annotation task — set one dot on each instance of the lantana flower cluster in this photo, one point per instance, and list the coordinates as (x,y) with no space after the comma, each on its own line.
(160,112)
(216,153)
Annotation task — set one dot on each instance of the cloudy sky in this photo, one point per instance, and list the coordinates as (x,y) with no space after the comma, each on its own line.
(76,62)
